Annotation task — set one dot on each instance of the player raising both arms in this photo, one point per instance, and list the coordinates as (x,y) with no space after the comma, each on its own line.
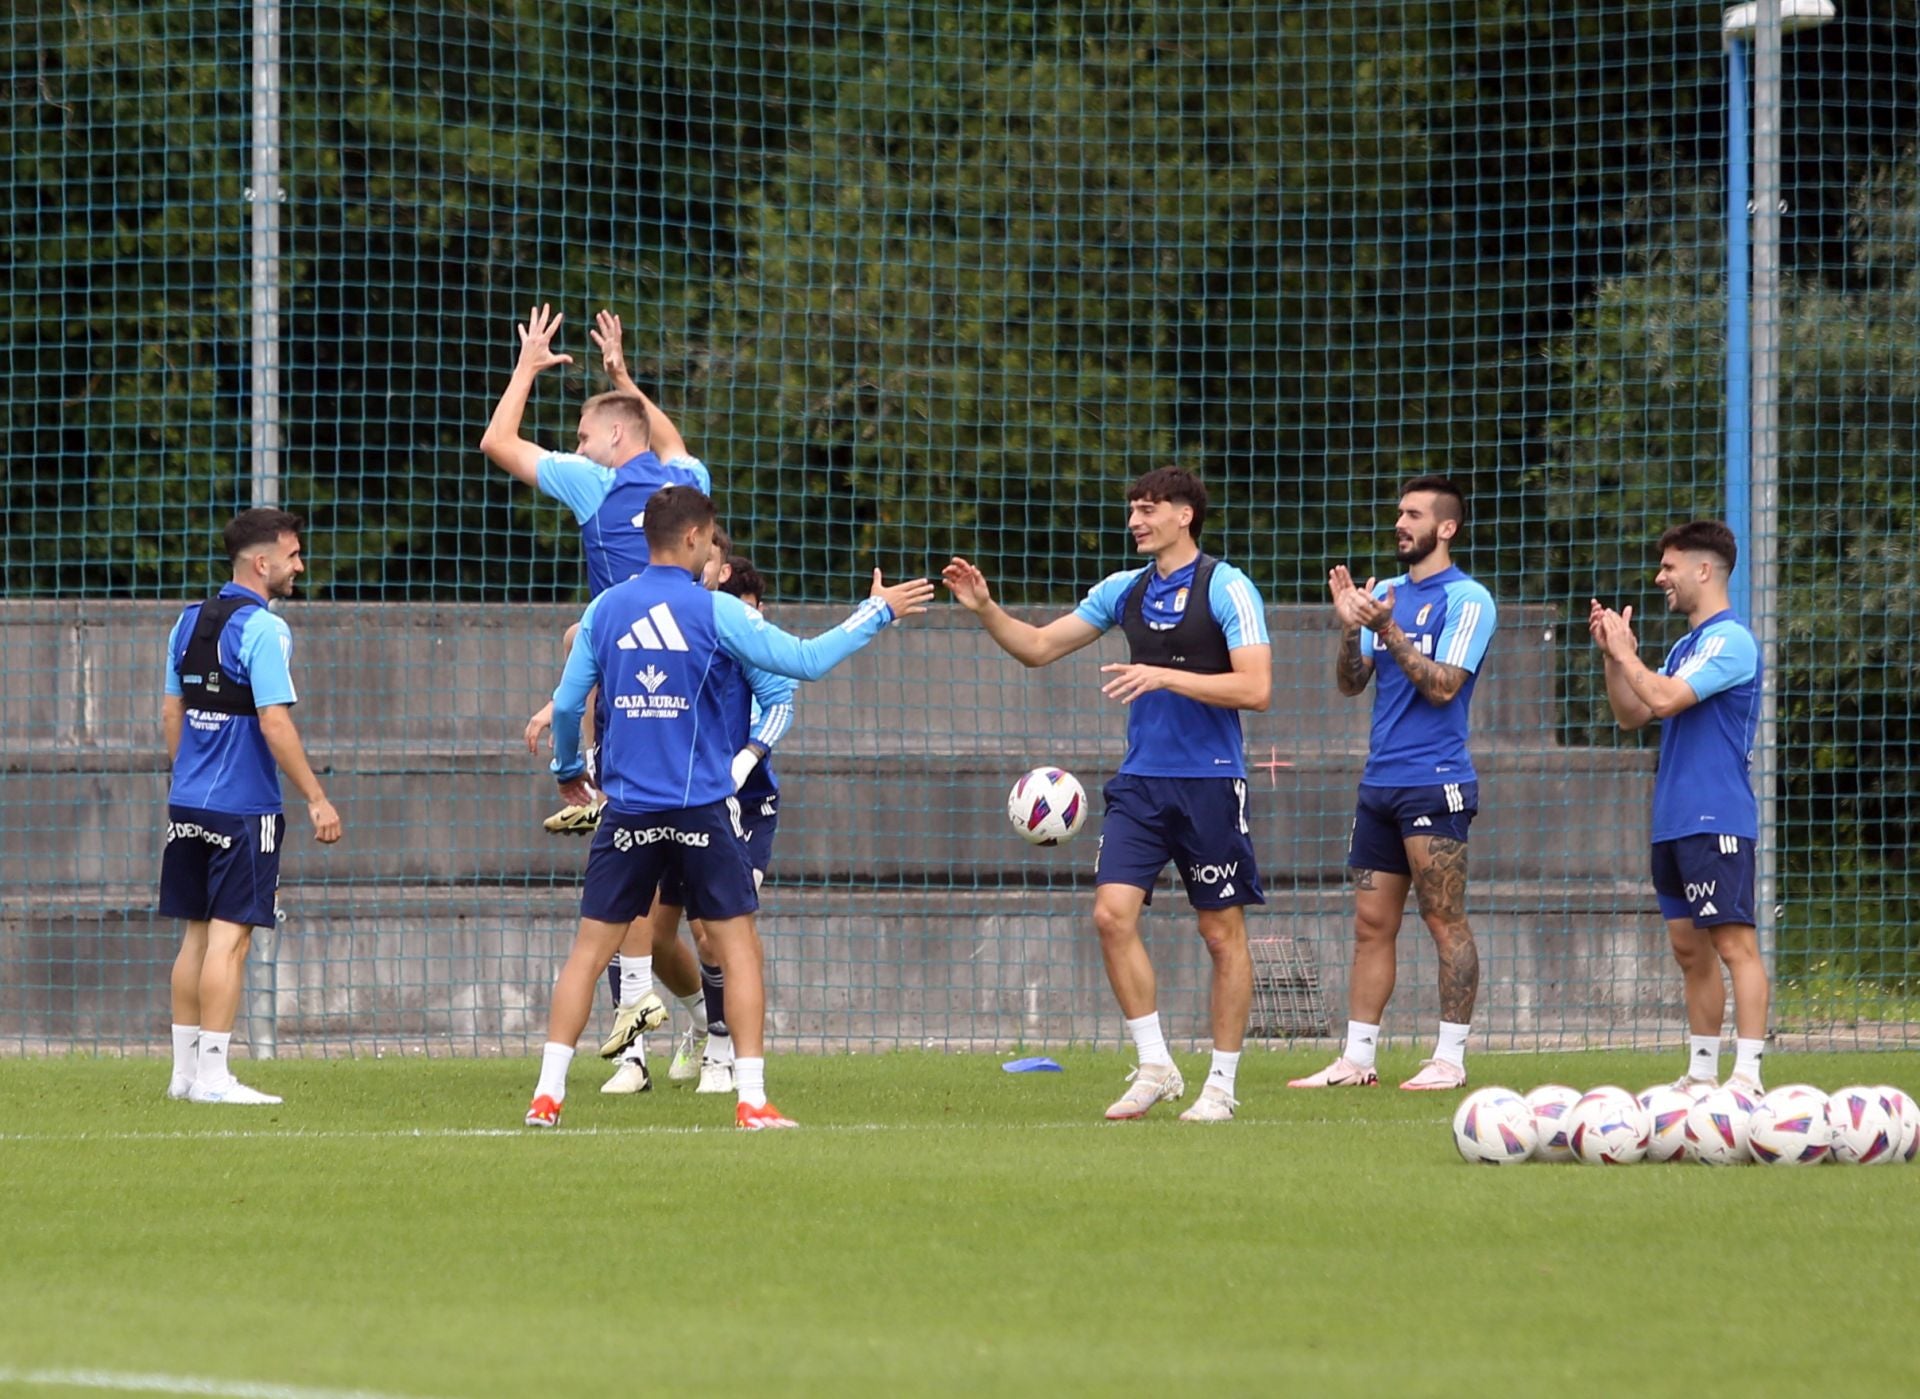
(1705,819)
(668,653)
(625,450)
(1418,792)
(1181,792)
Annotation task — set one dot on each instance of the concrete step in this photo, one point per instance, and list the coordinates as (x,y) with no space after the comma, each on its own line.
(88,674)
(85,816)
(468,969)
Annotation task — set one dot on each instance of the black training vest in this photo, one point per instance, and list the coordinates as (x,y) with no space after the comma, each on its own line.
(1195,643)
(203,684)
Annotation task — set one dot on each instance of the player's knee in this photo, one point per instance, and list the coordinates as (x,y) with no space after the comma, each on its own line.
(1372,926)
(1223,931)
(1113,922)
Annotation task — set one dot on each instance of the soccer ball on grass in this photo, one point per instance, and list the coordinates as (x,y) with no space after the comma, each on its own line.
(1609,1128)
(1494,1127)
(1552,1103)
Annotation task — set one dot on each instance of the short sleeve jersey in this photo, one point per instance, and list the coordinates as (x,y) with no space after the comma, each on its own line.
(224,763)
(1702,786)
(1449,618)
(1169,735)
(610,506)
(671,659)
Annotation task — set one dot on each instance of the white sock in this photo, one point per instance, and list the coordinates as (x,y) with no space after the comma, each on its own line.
(750,1081)
(635,1053)
(1746,1059)
(1225,1066)
(1452,1045)
(636,979)
(212,1069)
(186,1051)
(696,1008)
(1363,1043)
(1148,1042)
(554,1062)
(1703,1057)
(719,1049)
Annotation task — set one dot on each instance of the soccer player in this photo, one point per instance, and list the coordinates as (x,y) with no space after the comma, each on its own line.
(1706,696)
(1423,636)
(1198,654)
(625,450)
(226,715)
(761,712)
(668,654)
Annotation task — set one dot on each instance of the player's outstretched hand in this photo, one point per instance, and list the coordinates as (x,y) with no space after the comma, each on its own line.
(326,821)
(606,335)
(967,584)
(1132,681)
(577,791)
(536,339)
(907,599)
(538,725)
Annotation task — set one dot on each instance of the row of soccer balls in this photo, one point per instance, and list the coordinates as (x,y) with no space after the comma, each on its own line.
(1797,1125)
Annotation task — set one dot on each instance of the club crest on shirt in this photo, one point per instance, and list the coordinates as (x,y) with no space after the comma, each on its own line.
(1421,619)
(1180,601)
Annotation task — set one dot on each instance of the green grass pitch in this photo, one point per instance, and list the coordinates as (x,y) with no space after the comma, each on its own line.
(939,1227)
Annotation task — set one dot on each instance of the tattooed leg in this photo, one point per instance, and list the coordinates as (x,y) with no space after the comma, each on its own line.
(1440,878)
(1379,899)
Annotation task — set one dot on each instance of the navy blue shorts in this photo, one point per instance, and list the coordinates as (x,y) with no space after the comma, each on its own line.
(702,846)
(760,819)
(1385,818)
(217,865)
(1200,823)
(1708,878)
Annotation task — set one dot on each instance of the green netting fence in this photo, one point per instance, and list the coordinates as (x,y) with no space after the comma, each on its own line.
(919,278)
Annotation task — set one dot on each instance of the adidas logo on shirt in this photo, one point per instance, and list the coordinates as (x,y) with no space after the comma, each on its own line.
(1423,821)
(657,631)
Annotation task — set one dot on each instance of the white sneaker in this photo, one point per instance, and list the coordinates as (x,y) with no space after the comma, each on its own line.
(1436,1076)
(631,1022)
(233,1093)
(1341,1073)
(179,1087)
(630,1077)
(716,1076)
(1695,1088)
(687,1054)
(1152,1083)
(1215,1104)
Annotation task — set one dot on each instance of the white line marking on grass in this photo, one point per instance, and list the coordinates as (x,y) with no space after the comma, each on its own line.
(663,1129)
(132,1383)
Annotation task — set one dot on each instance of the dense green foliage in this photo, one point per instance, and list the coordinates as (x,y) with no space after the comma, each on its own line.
(919,277)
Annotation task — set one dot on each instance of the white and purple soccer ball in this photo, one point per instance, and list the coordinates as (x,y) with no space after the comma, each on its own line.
(1789,1127)
(1494,1127)
(1047,806)
(1609,1128)
(1667,1108)
(1717,1127)
(1864,1129)
(1906,1142)
(1552,1105)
